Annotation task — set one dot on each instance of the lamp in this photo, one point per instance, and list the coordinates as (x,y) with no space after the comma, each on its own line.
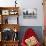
(15,3)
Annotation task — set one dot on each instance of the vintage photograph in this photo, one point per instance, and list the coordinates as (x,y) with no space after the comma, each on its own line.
(30,13)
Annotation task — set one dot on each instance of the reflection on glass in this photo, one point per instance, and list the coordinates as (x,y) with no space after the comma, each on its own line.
(9,34)
(30,12)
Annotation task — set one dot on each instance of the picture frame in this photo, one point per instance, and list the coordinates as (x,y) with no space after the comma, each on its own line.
(10,19)
(5,12)
(9,34)
(13,12)
(13,20)
(30,13)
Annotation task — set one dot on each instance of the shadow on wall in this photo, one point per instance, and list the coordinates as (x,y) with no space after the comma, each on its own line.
(37,29)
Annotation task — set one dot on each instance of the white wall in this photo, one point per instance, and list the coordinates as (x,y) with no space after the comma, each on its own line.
(27,4)
(7,3)
(32,4)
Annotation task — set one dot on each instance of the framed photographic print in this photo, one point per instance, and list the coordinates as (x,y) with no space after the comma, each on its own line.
(5,12)
(13,12)
(5,20)
(30,13)
(6,34)
(12,20)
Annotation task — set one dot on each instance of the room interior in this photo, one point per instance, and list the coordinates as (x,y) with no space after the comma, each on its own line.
(16,16)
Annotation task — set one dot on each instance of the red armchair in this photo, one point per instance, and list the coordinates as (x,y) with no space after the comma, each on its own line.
(29,33)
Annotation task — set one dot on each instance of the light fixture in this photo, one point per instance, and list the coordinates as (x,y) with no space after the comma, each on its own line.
(15,3)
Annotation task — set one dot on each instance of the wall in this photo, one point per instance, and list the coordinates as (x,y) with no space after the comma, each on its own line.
(32,4)
(27,5)
(7,3)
